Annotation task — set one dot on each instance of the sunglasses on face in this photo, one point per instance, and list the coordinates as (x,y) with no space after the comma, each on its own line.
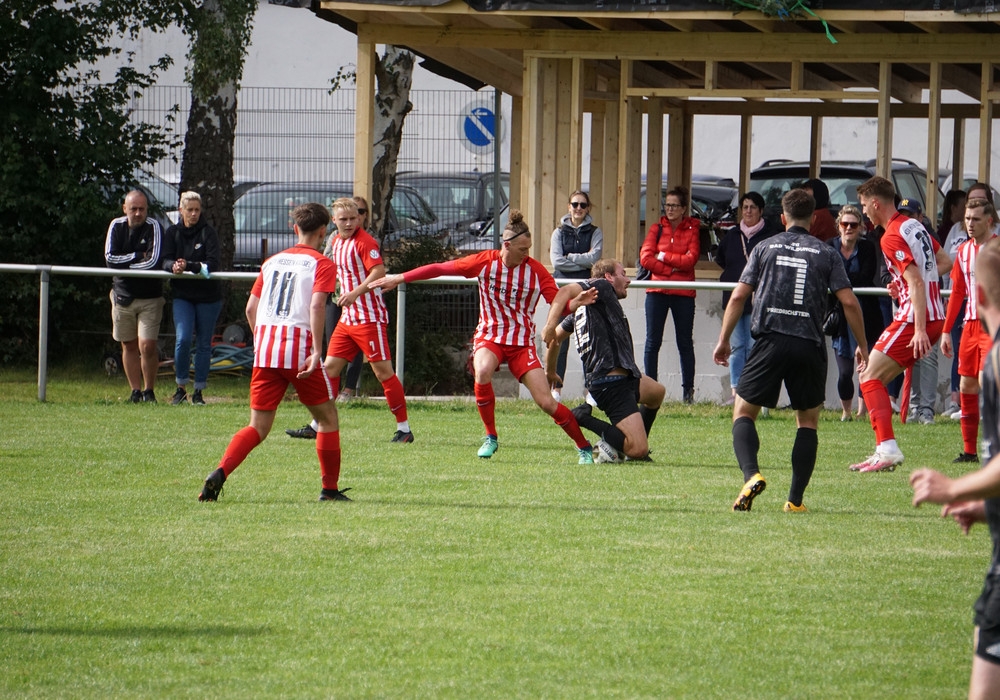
(579,205)
(362,211)
(849,224)
(672,206)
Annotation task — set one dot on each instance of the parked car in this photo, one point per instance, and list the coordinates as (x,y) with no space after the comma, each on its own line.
(462,201)
(264,226)
(967,181)
(775,177)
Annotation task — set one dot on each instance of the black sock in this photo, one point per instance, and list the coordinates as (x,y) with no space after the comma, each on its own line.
(803,462)
(587,420)
(614,437)
(746,444)
(648,416)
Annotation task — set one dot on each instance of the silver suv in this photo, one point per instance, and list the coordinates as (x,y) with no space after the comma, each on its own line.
(842,177)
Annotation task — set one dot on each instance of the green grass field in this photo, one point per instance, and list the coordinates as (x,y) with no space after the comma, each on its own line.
(449,576)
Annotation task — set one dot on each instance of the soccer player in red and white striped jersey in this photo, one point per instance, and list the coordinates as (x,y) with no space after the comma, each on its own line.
(364,318)
(980,219)
(287,312)
(510,286)
(916,261)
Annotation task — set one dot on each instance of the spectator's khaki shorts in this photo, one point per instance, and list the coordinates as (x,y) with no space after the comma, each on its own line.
(140,319)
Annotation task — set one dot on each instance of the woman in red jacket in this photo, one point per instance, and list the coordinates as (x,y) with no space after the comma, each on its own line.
(670,252)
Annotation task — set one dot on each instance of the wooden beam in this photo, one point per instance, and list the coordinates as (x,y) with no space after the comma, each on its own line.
(746,144)
(985,123)
(883,145)
(815,145)
(654,164)
(720,46)
(902,90)
(758,94)
(576,124)
(364,120)
(958,155)
(933,141)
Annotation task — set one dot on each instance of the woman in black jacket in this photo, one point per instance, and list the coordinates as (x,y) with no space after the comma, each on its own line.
(192,247)
(860,258)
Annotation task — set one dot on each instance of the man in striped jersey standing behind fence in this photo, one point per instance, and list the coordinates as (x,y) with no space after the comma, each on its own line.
(980,218)
(510,285)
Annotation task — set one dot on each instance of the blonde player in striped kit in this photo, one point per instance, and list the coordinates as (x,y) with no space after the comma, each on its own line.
(364,317)
(510,286)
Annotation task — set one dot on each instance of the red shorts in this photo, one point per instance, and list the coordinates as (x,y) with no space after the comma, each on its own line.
(520,359)
(973,349)
(369,338)
(268,386)
(895,340)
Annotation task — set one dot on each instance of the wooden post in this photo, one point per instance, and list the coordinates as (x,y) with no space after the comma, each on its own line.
(364,119)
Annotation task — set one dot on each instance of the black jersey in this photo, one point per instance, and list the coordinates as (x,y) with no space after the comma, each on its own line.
(602,334)
(990,411)
(791,273)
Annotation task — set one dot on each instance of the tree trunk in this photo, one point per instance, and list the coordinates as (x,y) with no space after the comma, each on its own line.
(208,163)
(394,75)
(220,32)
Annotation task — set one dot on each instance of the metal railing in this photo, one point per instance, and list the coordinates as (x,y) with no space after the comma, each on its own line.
(45,273)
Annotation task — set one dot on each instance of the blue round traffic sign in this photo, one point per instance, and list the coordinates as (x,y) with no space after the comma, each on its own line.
(479,127)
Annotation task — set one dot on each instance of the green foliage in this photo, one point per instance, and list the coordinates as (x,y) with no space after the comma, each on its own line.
(220,34)
(67,150)
(449,576)
(435,334)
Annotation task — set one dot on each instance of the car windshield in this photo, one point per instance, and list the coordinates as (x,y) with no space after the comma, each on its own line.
(843,189)
(270,211)
(451,200)
(410,209)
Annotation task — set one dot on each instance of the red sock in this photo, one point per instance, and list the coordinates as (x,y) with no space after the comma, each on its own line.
(335,385)
(879,409)
(395,397)
(328,451)
(239,447)
(486,402)
(565,419)
(969,403)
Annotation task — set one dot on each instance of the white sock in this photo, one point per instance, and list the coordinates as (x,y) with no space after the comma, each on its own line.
(888,446)
(314,424)
(404,426)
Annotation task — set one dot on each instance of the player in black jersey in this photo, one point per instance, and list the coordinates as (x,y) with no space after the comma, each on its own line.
(975,498)
(788,275)
(600,329)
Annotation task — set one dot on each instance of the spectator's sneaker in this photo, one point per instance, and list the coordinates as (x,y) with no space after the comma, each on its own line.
(402,437)
(490,446)
(213,486)
(180,396)
(792,508)
(925,417)
(344,396)
(879,462)
(753,488)
(957,415)
(333,495)
(586,455)
(197,398)
(136,396)
(306,432)
(965,457)
(148,396)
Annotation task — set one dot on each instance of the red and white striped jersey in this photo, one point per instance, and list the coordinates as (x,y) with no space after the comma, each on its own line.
(287,281)
(507,296)
(906,242)
(963,277)
(355,257)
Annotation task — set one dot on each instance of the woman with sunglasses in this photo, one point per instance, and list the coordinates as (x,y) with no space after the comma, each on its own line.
(670,252)
(860,258)
(576,245)
(511,283)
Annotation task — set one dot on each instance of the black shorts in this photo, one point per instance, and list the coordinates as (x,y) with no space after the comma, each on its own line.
(618,397)
(776,358)
(987,619)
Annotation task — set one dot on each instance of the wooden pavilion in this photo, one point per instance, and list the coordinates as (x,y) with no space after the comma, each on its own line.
(618,60)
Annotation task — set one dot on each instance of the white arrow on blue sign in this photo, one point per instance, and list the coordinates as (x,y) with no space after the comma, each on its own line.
(479,127)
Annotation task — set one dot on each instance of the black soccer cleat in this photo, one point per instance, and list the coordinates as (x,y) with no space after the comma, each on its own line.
(402,437)
(213,486)
(333,495)
(965,457)
(306,432)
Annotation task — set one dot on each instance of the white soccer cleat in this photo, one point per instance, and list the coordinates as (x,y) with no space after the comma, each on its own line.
(606,454)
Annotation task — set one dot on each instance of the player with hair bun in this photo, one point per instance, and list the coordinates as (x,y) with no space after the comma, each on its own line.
(510,286)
